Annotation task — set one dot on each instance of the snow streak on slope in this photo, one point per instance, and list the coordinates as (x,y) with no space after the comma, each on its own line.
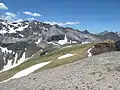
(89,53)
(68,46)
(85,42)
(11,65)
(66,56)
(27,71)
(53,43)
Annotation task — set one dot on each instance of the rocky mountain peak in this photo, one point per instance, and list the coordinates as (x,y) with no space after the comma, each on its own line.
(104,32)
(22,40)
(85,32)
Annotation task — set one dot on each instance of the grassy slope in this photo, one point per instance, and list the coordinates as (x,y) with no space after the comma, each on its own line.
(80,51)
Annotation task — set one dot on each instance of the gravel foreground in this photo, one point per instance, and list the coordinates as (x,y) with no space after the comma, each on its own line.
(101,72)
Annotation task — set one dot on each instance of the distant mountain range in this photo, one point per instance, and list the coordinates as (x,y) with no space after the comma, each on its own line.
(110,35)
(21,41)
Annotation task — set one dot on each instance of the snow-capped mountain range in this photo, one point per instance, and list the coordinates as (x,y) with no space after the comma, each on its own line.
(21,41)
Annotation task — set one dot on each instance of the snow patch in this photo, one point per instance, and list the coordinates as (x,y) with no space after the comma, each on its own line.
(5,50)
(62,42)
(5,24)
(27,71)
(35,23)
(67,46)
(53,43)
(21,28)
(10,27)
(21,35)
(35,33)
(11,65)
(66,56)
(39,40)
(15,64)
(11,30)
(3,31)
(74,42)
(89,53)
(85,42)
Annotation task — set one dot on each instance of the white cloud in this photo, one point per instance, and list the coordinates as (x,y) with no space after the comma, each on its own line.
(63,23)
(14,17)
(72,23)
(37,14)
(19,20)
(3,6)
(30,19)
(9,16)
(32,14)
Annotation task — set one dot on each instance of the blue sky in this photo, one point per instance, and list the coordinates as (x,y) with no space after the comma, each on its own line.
(93,15)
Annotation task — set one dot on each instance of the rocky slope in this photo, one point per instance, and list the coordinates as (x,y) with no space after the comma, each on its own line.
(21,41)
(101,72)
(24,40)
